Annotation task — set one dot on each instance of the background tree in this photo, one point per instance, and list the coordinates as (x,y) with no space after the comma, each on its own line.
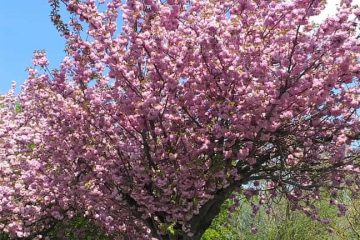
(150,123)
(284,224)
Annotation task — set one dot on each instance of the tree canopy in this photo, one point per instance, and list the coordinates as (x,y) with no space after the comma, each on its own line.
(162,110)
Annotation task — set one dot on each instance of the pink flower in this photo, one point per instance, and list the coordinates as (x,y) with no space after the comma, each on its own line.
(40,59)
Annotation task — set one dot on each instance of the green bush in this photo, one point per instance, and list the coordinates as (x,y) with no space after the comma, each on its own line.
(284,224)
(77,228)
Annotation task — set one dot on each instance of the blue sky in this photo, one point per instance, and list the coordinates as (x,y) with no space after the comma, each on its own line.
(25,26)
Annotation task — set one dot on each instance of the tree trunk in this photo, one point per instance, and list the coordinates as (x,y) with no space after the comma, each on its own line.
(202,221)
(199,223)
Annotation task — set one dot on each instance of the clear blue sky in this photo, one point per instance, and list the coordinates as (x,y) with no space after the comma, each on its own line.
(25,26)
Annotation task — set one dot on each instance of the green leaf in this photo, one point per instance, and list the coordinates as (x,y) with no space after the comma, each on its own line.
(18,108)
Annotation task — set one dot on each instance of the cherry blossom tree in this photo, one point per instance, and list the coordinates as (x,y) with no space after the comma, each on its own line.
(162,110)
